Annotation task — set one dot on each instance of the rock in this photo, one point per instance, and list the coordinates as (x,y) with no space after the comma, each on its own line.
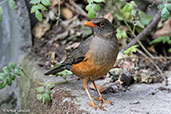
(15,38)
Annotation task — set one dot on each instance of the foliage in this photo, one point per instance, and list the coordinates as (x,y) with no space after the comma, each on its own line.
(9,74)
(38,6)
(162,39)
(120,34)
(44,92)
(1,12)
(93,7)
(64,73)
(129,12)
(131,49)
(165,8)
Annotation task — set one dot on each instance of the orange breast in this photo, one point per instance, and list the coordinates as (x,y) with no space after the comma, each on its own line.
(89,69)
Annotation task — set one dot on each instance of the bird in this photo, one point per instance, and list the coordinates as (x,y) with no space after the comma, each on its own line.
(93,58)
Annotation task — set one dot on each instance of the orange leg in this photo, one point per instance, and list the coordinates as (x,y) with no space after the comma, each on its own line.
(100,98)
(86,89)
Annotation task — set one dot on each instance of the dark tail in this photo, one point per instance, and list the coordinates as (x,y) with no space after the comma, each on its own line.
(55,70)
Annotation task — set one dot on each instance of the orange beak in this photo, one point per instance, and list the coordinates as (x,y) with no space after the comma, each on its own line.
(89,23)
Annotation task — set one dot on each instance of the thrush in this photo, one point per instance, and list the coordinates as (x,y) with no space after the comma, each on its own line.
(94,57)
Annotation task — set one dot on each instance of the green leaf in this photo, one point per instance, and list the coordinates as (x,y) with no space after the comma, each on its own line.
(3,76)
(34,8)
(162,39)
(50,85)
(92,8)
(46,96)
(12,4)
(40,89)
(48,91)
(127,9)
(168,6)
(144,18)
(42,7)
(39,96)
(9,81)
(2,80)
(38,15)
(6,69)
(131,49)
(64,73)
(35,1)
(99,0)
(12,77)
(169,50)
(90,1)
(1,12)
(12,65)
(161,6)
(46,2)
(92,14)
(2,83)
(120,33)
(165,14)
(17,72)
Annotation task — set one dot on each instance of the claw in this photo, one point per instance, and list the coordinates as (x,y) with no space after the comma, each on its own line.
(103,101)
(96,107)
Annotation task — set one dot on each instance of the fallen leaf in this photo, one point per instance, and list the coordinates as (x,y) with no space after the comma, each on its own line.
(72,46)
(55,2)
(99,87)
(109,16)
(67,13)
(41,28)
(52,55)
(165,30)
(51,15)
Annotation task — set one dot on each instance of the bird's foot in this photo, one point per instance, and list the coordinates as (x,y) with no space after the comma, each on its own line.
(96,107)
(102,100)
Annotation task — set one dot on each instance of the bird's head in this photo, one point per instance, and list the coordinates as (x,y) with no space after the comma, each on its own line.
(100,25)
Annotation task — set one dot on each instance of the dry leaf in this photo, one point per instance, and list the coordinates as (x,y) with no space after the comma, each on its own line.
(40,29)
(67,13)
(52,55)
(165,30)
(127,65)
(99,87)
(72,46)
(55,2)
(109,16)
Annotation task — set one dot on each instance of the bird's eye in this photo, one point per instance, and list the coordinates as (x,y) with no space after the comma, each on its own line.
(101,24)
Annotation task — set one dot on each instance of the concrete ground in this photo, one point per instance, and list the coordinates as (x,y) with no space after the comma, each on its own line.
(139,99)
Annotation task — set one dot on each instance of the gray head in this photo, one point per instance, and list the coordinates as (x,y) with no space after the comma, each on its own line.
(100,25)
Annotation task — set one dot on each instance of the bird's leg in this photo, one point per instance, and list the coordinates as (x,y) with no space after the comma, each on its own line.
(100,98)
(86,89)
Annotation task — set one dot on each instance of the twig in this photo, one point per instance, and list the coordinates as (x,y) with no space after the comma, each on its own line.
(153,23)
(26,75)
(59,12)
(163,76)
(76,8)
(132,32)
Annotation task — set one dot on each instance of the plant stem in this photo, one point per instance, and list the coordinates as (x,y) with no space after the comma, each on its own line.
(132,32)
(2,2)
(59,12)
(26,75)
